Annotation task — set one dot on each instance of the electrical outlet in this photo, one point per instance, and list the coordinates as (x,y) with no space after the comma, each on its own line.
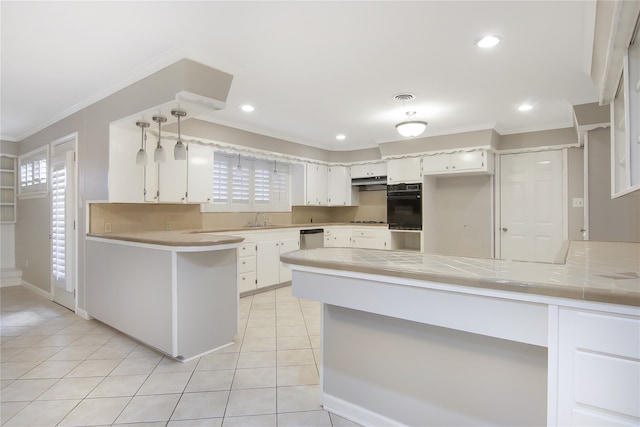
(168,225)
(578,202)
(24,263)
(107,227)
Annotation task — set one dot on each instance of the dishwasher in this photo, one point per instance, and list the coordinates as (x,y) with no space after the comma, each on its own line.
(312,238)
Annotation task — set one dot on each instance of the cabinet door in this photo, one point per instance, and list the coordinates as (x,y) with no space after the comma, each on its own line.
(126,178)
(404,170)
(267,263)
(199,173)
(172,177)
(151,180)
(468,160)
(316,185)
(321,185)
(360,171)
(436,163)
(339,186)
(287,246)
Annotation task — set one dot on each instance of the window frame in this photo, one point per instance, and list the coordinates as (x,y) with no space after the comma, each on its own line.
(259,191)
(41,188)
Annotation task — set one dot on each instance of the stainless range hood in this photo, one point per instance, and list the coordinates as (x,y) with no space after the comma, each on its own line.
(370,183)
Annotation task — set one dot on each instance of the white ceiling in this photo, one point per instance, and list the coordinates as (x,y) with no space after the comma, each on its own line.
(311,69)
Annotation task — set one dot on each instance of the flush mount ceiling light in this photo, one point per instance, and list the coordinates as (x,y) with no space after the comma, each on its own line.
(525,107)
(489,41)
(341,137)
(158,153)
(247,108)
(141,157)
(410,127)
(179,151)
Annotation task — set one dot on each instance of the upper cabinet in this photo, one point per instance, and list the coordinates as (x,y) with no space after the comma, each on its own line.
(174,181)
(369,169)
(625,127)
(309,185)
(341,192)
(467,162)
(404,170)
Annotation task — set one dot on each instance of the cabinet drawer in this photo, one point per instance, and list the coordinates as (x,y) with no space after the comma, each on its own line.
(616,335)
(608,383)
(247,281)
(246,264)
(247,249)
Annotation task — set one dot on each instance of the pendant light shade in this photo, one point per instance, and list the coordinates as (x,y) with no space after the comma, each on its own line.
(179,151)
(158,153)
(141,156)
(411,128)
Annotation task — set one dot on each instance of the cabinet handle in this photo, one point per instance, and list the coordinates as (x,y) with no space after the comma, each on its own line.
(504,229)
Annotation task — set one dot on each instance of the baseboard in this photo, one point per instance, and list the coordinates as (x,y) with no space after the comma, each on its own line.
(83,314)
(355,413)
(265,289)
(10,277)
(47,295)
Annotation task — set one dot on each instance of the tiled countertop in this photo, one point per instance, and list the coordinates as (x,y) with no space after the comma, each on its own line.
(172,238)
(594,271)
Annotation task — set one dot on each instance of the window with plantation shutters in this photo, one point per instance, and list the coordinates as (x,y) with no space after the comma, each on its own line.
(32,167)
(58,223)
(243,183)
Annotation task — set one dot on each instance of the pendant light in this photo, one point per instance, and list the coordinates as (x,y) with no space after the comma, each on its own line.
(410,127)
(158,153)
(141,157)
(179,151)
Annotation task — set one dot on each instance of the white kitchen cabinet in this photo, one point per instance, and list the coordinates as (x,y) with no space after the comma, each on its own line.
(259,263)
(247,267)
(126,178)
(340,190)
(466,162)
(172,177)
(598,354)
(337,237)
(199,173)
(370,238)
(404,170)
(309,185)
(287,245)
(368,170)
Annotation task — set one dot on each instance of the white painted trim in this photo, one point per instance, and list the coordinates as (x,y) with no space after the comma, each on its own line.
(552,364)
(537,149)
(565,194)
(585,169)
(174,304)
(443,151)
(10,277)
(37,290)
(497,233)
(355,413)
(83,314)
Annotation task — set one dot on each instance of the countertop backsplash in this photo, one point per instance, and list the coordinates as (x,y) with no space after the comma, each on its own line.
(132,217)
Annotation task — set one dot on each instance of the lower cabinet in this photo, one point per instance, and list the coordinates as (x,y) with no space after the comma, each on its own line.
(337,237)
(370,238)
(598,369)
(259,258)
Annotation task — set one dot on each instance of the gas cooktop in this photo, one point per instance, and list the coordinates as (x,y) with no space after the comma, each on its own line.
(367,222)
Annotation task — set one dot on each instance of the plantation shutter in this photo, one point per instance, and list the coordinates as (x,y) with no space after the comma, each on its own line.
(61,229)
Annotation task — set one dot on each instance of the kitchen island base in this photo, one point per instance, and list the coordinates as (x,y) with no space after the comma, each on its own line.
(180,301)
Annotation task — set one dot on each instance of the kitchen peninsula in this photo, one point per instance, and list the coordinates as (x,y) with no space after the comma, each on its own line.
(175,291)
(415,339)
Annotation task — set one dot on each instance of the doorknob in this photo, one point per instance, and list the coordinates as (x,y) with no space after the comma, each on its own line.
(504,229)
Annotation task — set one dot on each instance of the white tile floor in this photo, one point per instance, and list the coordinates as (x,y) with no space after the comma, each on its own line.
(58,369)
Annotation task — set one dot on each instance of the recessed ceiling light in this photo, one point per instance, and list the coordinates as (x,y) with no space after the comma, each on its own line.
(247,108)
(340,137)
(489,41)
(525,107)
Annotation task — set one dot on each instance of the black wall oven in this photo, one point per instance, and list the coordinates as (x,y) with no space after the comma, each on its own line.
(404,206)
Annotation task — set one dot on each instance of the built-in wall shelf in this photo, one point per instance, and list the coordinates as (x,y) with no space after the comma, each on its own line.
(7,189)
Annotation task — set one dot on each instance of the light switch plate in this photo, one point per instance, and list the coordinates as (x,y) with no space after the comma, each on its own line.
(578,202)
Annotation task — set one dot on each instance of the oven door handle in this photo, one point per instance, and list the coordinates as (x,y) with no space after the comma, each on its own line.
(407,197)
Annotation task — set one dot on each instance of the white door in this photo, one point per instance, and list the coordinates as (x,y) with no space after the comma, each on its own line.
(63,221)
(531,211)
